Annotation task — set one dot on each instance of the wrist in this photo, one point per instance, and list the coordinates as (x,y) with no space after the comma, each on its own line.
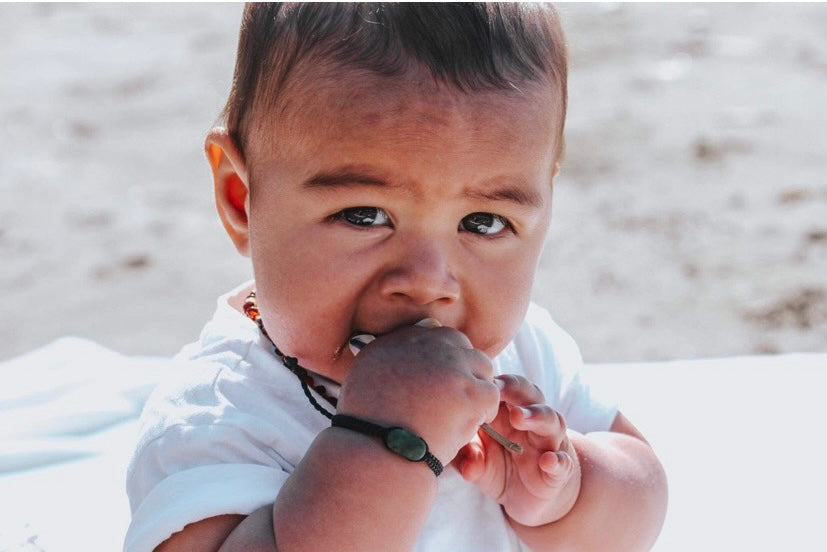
(346,467)
(396,440)
(442,442)
(365,457)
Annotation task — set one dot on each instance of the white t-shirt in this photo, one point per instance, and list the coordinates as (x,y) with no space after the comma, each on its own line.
(231,424)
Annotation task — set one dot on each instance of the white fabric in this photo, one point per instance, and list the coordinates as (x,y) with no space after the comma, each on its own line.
(222,436)
(68,420)
(727,430)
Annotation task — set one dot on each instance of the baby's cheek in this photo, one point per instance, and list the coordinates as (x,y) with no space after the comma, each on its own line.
(499,334)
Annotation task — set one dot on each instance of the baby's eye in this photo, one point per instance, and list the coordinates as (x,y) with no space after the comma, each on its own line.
(484,223)
(364,216)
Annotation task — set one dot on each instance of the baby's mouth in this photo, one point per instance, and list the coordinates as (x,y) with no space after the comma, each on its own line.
(359,340)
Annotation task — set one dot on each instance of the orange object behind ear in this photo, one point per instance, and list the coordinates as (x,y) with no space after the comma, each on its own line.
(236,192)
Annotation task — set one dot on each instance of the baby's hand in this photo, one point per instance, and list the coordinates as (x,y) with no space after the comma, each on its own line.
(430,381)
(540,485)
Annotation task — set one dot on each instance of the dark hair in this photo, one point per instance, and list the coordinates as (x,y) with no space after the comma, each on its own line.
(472,46)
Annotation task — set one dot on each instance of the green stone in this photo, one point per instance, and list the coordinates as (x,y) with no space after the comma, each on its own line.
(406,444)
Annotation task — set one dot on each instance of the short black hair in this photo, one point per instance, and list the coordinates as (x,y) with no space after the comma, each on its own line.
(472,46)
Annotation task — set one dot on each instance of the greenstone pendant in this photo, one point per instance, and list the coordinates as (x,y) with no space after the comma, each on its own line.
(406,444)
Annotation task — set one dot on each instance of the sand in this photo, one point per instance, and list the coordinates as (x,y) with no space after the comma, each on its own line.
(690,215)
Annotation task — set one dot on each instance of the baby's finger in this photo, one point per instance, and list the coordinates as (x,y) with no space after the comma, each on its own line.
(557,466)
(431,323)
(542,421)
(481,366)
(470,461)
(452,335)
(518,390)
(478,362)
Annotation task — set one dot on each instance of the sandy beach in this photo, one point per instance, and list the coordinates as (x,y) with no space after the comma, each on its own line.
(690,214)
(690,222)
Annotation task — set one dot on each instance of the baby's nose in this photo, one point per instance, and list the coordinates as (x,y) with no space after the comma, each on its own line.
(422,274)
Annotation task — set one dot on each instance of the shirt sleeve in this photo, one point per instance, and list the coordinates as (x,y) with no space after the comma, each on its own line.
(194,462)
(199,493)
(551,356)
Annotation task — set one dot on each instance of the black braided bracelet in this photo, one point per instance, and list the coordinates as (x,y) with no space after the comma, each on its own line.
(398,440)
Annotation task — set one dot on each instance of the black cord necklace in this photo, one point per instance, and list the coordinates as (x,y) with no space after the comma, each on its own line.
(292,363)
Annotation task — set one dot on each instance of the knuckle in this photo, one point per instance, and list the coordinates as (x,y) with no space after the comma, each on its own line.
(554,418)
(453,336)
(484,365)
(525,388)
(493,393)
(483,392)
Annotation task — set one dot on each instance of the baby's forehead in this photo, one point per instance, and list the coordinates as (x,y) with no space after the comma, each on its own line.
(409,103)
(414,136)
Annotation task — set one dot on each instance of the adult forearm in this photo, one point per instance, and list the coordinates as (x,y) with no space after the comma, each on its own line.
(351,493)
(622,500)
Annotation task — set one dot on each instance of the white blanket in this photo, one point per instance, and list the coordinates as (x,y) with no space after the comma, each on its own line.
(68,421)
(742,440)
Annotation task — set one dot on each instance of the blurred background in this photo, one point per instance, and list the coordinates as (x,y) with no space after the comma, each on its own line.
(690,214)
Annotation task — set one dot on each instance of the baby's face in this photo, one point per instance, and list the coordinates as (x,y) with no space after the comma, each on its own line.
(371,210)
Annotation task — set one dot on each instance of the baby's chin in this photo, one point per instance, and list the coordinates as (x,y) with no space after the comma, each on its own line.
(491,345)
(493,350)
(333,366)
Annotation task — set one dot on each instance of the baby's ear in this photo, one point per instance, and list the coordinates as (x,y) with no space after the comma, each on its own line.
(232,187)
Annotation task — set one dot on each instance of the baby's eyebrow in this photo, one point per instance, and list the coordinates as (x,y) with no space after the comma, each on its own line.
(522,195)
(514,193)
(345,178)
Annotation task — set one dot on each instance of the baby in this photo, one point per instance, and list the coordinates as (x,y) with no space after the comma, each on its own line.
(388,169)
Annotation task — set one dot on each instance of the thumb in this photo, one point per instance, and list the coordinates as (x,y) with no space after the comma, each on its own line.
(470,460)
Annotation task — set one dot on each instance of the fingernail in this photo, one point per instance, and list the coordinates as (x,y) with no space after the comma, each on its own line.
(357,342)
(428,323)
(526,412)
(499,383)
